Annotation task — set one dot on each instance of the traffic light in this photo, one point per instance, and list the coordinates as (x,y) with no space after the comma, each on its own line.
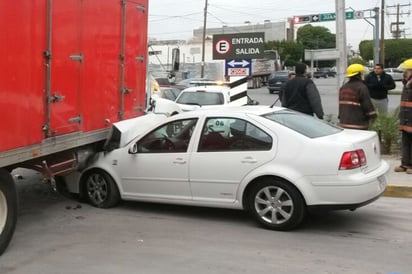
(301,19)
(297,19)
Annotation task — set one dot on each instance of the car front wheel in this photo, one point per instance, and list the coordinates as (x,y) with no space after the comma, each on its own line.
(277,205)
(100,189)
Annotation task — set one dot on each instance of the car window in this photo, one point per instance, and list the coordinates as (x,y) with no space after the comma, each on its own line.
(171,137)
(232,134)
(201,98)
(279,74)
(170,93)
(304,124)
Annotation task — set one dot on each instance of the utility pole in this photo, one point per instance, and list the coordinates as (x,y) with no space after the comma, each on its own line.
(382,40)
(376,38)
(341,41)
(202,65)
(397,33)
(291,31)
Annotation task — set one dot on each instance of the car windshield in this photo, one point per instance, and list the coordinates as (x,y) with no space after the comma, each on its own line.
(302,123)
(200,98)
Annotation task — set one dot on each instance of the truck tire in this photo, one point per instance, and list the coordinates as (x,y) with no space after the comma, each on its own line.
(8,209)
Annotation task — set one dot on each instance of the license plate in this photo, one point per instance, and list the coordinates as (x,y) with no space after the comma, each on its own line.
(382,181)
(278,83)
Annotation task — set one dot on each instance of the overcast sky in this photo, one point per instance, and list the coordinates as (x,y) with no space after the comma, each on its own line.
(176,19)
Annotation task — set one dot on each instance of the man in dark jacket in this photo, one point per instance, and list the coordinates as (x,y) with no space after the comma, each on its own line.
(301,94)
(355,107)
(379,83)
(405,119)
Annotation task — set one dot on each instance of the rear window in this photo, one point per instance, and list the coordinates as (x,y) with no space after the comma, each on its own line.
(279,74)
(304,124)
(201,98)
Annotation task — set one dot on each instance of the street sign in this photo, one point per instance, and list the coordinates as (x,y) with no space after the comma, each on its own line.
(238,67)
(358,14)
(332,16)
(238,45)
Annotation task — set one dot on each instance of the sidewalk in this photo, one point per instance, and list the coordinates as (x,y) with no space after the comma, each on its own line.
(399,183)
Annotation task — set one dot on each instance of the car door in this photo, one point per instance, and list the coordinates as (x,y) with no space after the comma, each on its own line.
(158,166)
(228,149)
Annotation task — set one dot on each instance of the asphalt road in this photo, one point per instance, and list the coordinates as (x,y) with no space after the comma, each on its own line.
(60,235)
(328,89)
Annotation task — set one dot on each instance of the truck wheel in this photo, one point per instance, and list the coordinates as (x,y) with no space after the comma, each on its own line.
(276,205)
(100,189)
(8,209)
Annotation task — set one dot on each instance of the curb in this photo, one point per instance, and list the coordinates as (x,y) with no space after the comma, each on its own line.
(398,191)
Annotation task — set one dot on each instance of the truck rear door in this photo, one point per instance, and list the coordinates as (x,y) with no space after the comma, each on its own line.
(66,65)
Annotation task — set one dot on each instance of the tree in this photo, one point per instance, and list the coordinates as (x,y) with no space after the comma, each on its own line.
(396,51)
(357,60)
(316,37)
(290,52)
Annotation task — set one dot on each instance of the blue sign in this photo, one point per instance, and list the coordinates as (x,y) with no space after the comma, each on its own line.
(238,67)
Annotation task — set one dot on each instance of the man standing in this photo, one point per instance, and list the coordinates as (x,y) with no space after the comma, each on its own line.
(301,94)
(379,83)
(355,107)
(405,119)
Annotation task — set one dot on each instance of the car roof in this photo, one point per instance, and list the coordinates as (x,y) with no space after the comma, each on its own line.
(211,88)
(230,110)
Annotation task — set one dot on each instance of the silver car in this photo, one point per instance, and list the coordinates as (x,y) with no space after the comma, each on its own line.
(396,74)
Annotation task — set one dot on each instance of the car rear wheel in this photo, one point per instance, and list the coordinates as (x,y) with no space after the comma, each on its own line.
(100,189)
(8,209)
(277,205)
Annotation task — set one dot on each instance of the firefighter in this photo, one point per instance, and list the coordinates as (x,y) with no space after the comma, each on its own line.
(356,110)
(405,119)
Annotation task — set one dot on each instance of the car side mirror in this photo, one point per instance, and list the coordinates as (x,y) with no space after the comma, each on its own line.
(134,149)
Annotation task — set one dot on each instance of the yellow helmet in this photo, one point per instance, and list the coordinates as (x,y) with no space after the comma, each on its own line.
(407,64)
(354,69)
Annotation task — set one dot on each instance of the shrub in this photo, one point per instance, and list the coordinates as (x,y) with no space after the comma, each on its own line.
(387,127)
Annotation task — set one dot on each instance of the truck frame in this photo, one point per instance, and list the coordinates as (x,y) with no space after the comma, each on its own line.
(70,70)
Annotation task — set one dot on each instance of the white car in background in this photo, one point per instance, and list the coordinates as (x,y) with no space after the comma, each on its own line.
(208,96)
(273,162)
(397,74)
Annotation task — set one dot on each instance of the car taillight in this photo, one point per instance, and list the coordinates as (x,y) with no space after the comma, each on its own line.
(352,159)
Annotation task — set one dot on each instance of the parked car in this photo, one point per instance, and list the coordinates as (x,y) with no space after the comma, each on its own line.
(276,80)
(273,162)
(397,74)
(324,73)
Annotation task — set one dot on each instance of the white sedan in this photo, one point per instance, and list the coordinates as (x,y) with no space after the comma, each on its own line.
(275,163)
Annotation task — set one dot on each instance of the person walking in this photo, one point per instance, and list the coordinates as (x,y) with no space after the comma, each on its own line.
(356,110)
(405,119)
(301,94)
(379,83)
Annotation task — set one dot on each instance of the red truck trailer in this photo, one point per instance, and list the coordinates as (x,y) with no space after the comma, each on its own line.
(69,70)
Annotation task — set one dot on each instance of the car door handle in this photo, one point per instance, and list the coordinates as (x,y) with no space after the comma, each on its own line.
(179,161)
(249,160)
